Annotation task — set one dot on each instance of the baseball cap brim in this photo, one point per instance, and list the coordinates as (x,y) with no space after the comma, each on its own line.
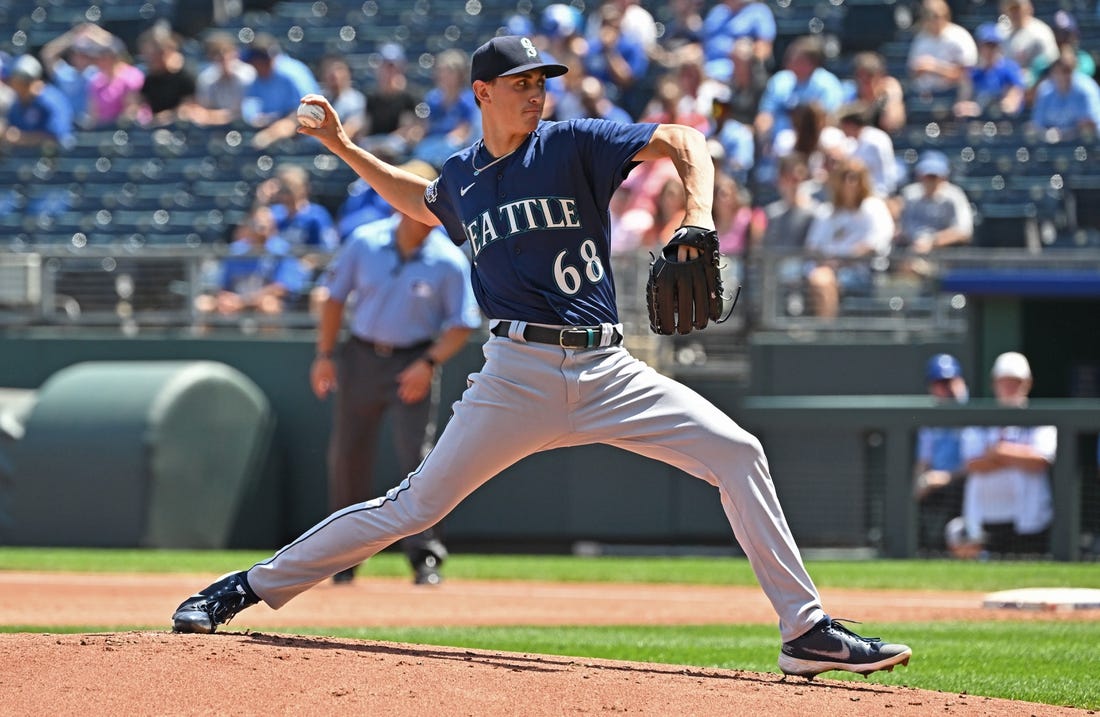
(552,69)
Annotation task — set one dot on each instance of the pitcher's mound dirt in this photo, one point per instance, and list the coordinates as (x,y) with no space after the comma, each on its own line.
(268,672)
(155,673)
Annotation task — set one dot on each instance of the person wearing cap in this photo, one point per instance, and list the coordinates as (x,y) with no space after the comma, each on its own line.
(933,213)
(531,200)
(280,81)
(938,473)
(1007,500)
(995,87)
(1066,32)
(411,309)
(39,113)
(285,63)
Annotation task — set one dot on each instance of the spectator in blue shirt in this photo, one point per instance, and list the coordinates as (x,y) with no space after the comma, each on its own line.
(260,273)
(69,60)
(39,114)
(275,92)
(301,222)
(1066,102)
(362,206)
(731,20)
(365,205)
(454,119)
(802,81)
(618,60)
(995,86)
(939,472)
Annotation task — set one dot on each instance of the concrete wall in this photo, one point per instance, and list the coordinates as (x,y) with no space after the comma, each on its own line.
(591,493)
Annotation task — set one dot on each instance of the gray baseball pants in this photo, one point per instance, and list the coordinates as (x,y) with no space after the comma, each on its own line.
(532,397)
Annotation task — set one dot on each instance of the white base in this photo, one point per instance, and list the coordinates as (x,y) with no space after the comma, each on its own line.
(1045,599)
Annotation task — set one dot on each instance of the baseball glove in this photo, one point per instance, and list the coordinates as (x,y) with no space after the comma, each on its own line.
(681,296)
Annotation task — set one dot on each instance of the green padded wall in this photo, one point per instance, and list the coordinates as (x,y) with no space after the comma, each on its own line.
(138,453)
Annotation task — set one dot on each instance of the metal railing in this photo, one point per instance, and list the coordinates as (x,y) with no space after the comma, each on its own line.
(143,286)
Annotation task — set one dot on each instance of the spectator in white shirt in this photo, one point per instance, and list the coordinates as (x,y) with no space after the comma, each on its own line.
(942,52)
(873,146)
(1029,38)
(220,86)
(933,214)
(1007,501)
(847,233)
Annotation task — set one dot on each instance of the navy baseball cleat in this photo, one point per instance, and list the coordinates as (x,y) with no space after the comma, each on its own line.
(831,646)
(216,605)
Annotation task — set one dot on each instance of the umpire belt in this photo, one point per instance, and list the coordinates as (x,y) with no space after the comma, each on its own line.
(385,350)
(571,337)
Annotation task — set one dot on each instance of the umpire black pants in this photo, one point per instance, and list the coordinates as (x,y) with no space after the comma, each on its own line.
(367,391)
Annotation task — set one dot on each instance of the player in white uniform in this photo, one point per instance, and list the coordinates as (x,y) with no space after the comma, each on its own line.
(532,200)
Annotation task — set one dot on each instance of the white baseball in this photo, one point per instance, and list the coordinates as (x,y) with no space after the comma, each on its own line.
(310,115)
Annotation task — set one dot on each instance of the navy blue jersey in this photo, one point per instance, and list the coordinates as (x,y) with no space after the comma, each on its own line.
(538,222)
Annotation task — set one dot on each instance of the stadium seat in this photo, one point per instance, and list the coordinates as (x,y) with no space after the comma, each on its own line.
(869,24)
(1085,192)
(1009,224)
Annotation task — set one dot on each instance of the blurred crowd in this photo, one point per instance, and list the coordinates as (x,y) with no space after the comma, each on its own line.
(806,159)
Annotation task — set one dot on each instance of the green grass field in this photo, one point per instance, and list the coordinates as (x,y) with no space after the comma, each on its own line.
(1049,662)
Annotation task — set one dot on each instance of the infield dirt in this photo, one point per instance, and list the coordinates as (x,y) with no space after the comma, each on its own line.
(251,669)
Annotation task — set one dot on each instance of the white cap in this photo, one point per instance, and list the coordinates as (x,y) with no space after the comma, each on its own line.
(1012,365)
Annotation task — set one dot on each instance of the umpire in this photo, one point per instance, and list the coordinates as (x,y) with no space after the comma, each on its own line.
(412,308)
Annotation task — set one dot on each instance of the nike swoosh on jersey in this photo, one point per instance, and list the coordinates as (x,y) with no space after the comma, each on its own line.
(468,187)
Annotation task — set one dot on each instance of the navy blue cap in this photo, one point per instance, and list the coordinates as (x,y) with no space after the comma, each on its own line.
(509,55)
(943,367)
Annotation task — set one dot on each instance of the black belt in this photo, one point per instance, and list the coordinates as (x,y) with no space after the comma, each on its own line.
(384,350)
(574,337)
